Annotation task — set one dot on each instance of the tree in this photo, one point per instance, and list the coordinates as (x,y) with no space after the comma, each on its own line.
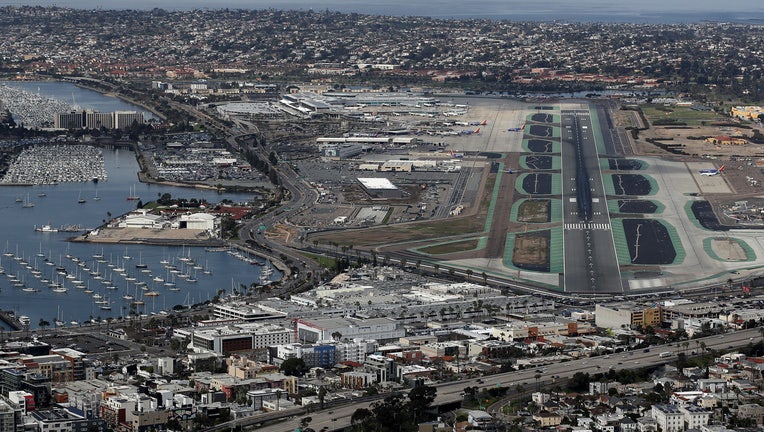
(321,396)
(420,398)
(305,421)
(43,324)
(391,414)
(293,366)
(361,419)
(579,382)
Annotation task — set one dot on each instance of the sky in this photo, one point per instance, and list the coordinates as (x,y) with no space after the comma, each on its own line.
(579,10)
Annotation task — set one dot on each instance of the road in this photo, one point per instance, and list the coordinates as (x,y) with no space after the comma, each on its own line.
(336,418)
(591,264)
(300,198)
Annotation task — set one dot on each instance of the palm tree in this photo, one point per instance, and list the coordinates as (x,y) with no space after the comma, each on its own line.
(43,323)
(485,278)
(469,275)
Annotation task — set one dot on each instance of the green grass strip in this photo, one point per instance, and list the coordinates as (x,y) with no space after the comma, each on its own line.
(691,216)
(621,245)
(556,252)
(597,132)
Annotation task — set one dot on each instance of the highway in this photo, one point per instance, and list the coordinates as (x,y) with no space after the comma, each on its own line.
(338,417)
(591,264)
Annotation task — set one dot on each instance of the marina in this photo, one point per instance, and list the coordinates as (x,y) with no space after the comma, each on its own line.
(34,110)
(53,164)
(43,275)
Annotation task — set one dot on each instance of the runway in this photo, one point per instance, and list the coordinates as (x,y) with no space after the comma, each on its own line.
(591,264)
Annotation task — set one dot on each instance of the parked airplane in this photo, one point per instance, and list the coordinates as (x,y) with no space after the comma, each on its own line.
(713,172)
(456,155)
(470,132)
(482,123)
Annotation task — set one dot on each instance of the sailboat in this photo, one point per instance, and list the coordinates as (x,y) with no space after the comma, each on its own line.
(27,203)
(80,199)
(132,196)
(140,264)
(59,321)
(96,197)
(7,251)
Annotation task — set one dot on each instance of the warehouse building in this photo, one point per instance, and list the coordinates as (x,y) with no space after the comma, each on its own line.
(379,329)
(628,315)
(380,188)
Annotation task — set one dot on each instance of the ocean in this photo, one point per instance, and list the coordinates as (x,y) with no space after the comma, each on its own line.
(59,207)
(644,11)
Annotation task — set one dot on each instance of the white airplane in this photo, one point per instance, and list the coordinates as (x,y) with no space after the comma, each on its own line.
(713,172)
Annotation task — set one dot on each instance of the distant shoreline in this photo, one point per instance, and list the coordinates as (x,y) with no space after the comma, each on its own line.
(591,11)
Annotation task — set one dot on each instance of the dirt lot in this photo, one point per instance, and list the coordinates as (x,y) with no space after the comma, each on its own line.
(728,249)
(531,250)
(743,162)
(142,235)
(534,211)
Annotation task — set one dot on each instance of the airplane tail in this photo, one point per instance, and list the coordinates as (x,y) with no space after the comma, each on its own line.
(476,131)
(721,169)
(484,122)
(452,152)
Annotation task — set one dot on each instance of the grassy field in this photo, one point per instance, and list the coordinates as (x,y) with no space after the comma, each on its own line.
(534,211)
(448,248)
(683,115)
(323,261)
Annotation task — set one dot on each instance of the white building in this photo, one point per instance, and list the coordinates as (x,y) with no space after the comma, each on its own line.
(668,417)
(141,220)
(694,416)
(200,221)
(380,329)
(232,338)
